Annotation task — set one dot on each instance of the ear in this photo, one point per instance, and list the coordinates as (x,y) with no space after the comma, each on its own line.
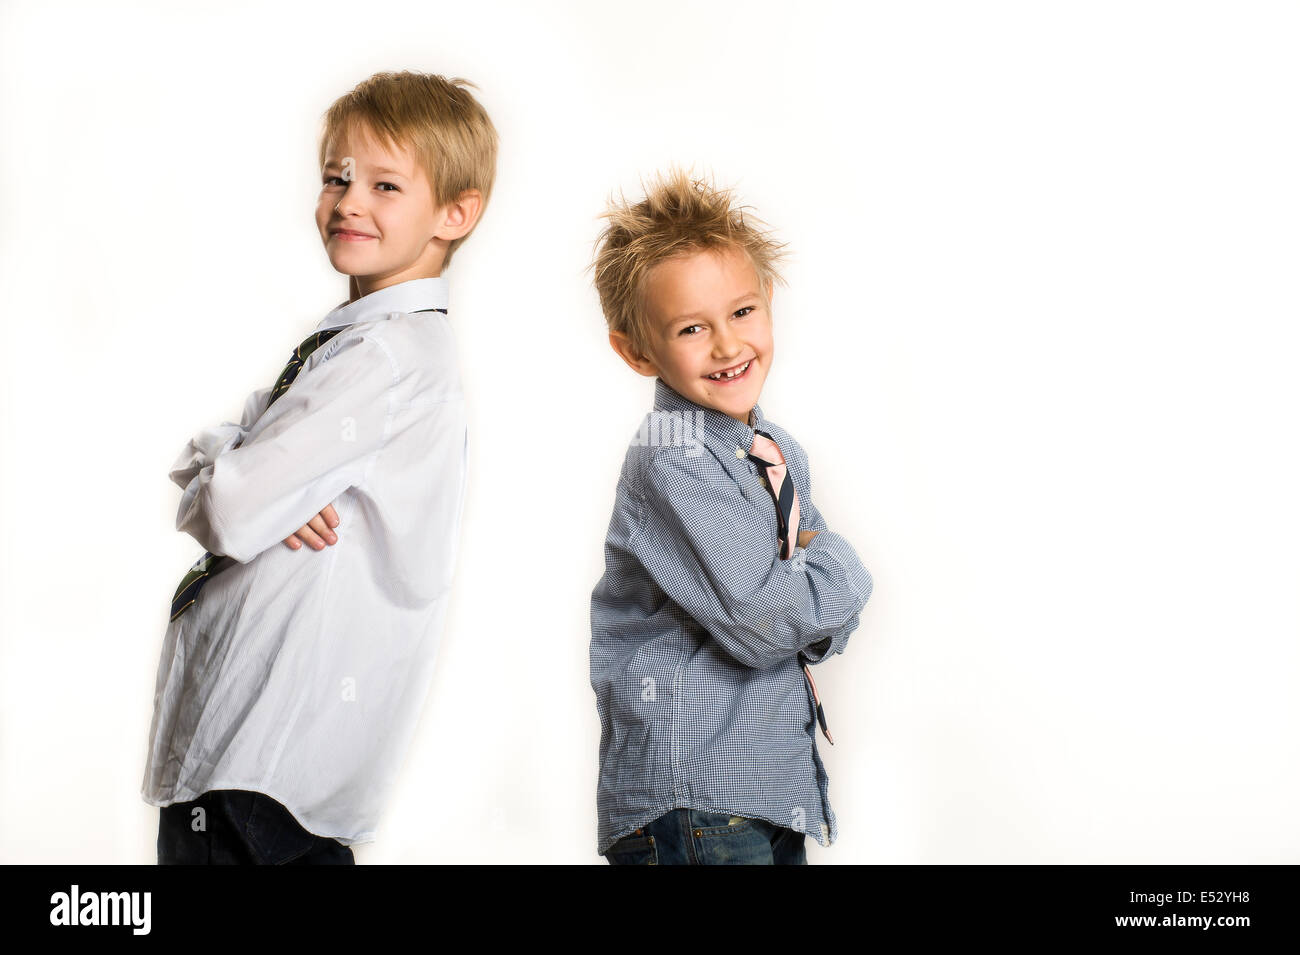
(460,215)
(637,362)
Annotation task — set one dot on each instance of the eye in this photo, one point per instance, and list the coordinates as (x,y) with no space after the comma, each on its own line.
(741,313)
(688,328)
(331,180)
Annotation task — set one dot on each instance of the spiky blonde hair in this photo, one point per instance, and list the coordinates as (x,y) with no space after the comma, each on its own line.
(680,214)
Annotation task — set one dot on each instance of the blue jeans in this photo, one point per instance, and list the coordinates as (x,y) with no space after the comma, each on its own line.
(241,828)
(693,837)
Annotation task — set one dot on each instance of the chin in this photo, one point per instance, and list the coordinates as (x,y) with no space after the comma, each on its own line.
(349,264)
(728,404)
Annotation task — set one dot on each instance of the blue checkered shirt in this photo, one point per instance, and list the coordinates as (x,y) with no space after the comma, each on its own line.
(699,631)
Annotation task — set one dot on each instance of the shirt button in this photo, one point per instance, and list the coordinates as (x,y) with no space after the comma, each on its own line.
(740,453)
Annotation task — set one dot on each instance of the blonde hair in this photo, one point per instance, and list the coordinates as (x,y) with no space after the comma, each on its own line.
(679,215)
(447,129)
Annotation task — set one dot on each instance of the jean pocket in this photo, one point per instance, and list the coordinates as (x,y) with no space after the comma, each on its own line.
(706,821)
(272,831)
(731,840)
(638,848)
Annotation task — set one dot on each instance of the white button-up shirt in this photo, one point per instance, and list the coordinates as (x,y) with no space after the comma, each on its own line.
(301,673)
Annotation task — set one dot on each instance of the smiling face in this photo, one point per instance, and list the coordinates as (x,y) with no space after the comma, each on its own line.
(707,313)
(376,214)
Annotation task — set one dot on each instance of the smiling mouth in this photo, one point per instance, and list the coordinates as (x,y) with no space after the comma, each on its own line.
(734,373)
(350,236)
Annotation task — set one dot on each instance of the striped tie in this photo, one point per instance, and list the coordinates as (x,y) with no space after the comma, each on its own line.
(771,467)
(211,564)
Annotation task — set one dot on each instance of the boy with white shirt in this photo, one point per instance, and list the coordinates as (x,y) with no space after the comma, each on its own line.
(290,682)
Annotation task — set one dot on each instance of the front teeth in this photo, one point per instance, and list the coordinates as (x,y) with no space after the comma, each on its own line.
(718,376)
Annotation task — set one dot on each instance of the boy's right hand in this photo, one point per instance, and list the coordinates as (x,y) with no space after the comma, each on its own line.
(806,536)
(317,532)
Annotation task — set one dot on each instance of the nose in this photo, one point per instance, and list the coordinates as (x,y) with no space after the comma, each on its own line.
(726,343)
(348,204)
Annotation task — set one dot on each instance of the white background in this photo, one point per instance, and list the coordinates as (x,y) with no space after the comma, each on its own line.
(1039,340)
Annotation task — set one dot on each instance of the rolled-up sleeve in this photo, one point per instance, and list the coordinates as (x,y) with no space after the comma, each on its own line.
(811,519)
(835,642)
(713,552)
(210,443)
(314,442)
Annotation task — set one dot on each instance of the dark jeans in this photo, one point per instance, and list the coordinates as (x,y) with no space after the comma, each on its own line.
(241,828)
(692,837)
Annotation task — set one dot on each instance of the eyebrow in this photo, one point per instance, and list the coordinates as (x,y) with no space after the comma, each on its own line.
(382,170)
(734,302)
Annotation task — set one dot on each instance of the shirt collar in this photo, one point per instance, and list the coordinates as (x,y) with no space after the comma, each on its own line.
(717,425)
(409,296)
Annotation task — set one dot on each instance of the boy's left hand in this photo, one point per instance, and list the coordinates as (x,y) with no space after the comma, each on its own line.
(805,537)
(317,532)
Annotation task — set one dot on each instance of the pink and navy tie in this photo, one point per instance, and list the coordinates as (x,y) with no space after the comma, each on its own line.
(771,464)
